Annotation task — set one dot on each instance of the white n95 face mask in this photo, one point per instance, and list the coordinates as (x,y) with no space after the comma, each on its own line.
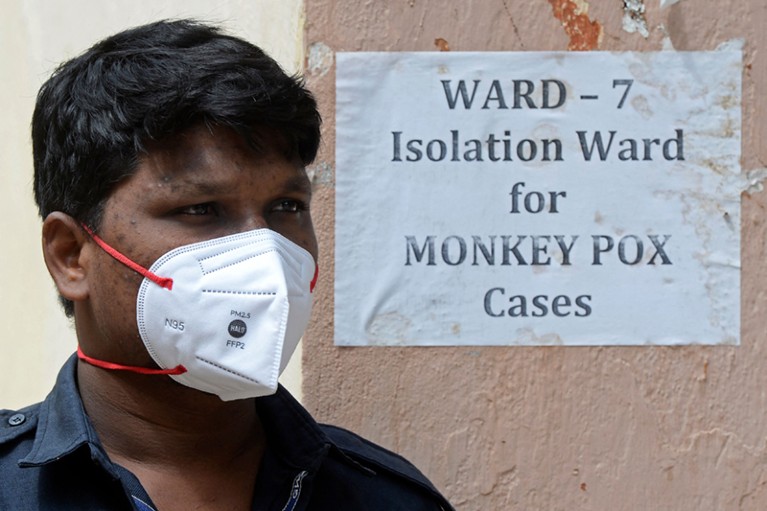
(223,316)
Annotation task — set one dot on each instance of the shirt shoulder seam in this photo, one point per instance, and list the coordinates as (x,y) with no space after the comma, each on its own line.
(363,451)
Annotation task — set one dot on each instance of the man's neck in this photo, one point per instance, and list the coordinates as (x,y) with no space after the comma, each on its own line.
(173,438)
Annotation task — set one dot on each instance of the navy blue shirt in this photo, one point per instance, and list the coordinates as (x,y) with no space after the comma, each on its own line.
(51,459)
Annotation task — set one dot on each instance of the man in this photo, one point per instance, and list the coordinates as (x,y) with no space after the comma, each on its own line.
(169,171)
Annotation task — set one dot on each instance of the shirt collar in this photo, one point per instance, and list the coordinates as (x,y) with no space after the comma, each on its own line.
(292,434)
(63,427)
(295,437)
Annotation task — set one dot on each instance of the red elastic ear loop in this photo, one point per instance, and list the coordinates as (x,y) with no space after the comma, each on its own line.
(165,282)
(179,369)
(314,279)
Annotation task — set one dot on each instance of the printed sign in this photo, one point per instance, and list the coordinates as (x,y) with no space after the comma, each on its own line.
(538,198)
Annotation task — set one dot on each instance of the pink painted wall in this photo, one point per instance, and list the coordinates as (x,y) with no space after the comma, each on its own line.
(641,428)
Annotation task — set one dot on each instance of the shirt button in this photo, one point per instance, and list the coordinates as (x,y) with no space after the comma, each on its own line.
(17,419)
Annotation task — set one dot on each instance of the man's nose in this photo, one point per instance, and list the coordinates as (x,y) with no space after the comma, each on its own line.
(252,222)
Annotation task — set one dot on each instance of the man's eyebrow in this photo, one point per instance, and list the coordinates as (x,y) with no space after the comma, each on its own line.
(299,183)
(202,187)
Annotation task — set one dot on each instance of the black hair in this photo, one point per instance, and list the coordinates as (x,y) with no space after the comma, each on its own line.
(97,112)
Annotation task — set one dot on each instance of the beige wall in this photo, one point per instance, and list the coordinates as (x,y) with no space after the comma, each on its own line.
(605,428)
(36,35)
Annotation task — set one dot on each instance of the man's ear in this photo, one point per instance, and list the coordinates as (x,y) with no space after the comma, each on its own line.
(63,241)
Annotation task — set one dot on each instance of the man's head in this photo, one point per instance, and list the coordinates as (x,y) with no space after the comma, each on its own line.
(99,113)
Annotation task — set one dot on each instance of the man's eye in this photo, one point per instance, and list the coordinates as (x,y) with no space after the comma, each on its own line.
(290,206)
(198,209)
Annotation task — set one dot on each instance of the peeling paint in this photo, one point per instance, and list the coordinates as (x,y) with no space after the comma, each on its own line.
(584,33)
(666,42)
(731,45)
(755,181)
(320,59)
(530,337)
(441,44)
(320,173)
(667,3)
(633,17)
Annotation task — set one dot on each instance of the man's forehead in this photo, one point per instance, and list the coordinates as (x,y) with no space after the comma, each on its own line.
(194,157)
